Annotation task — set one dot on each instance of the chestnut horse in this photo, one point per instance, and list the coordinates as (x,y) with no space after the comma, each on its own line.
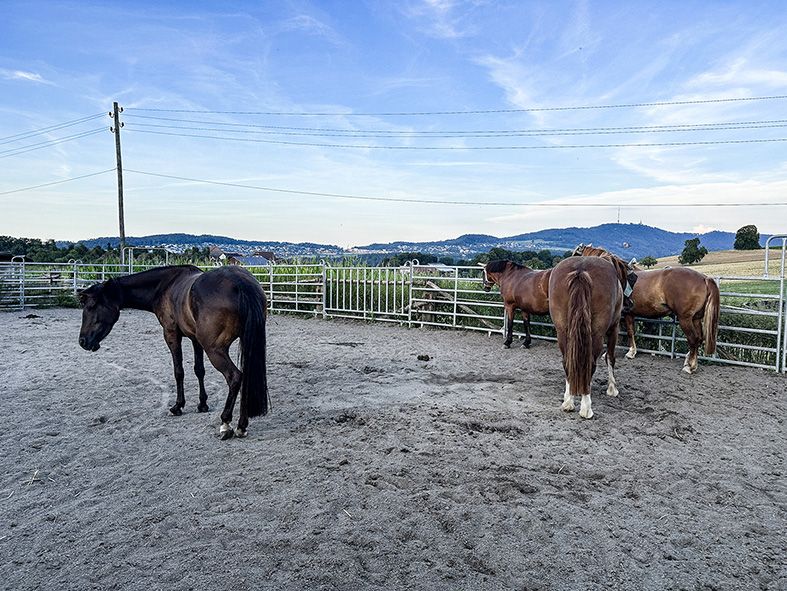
(212,310)
(691,297)
(585,302)
(521,288)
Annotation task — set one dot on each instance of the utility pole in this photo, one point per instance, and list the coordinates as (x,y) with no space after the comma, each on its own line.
(115,114)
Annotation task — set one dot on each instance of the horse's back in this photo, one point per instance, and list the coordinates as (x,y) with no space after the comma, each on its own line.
(221,299)
(661,291)
(528,290)
(226,281)
(606,292)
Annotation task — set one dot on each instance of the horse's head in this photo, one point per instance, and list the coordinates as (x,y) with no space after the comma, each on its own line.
(492,271)
(577,252)
(100,311)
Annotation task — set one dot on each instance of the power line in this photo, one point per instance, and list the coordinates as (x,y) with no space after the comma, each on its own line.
(76,178)
(20,136)
(470,112)
(441,202)
(549,147)
(47,144)
(676,126)
(469,134)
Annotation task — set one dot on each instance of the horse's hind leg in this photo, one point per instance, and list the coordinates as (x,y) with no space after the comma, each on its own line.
(199,371)
(693,332)
(612,341)
(220,359)
(173,339)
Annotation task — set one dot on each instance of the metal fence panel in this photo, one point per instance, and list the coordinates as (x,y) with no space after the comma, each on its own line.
(752,328)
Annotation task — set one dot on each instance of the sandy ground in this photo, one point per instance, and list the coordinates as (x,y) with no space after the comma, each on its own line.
(379,471)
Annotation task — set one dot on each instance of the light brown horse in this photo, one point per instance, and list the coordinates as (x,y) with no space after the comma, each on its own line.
(521,288)
(691,297)
(585,302)
(211,309)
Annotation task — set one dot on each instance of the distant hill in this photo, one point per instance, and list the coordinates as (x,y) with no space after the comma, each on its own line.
(626,240)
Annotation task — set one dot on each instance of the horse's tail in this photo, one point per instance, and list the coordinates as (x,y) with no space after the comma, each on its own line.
(254,381)
(710,320)
(579,344)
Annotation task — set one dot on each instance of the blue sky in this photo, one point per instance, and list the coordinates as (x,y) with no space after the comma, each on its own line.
(355,61)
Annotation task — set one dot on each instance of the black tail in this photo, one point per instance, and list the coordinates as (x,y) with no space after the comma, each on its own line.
(254,383)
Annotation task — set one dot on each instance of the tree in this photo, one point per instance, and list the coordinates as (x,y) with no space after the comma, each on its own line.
(648,262)
(692,252)
(747,238)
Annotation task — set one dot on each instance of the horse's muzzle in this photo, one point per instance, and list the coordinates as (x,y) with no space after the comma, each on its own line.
(94,346)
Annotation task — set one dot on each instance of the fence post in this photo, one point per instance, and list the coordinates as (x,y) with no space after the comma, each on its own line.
(324,289)
(270,270)
(410,297)
(672,347)
(456,292)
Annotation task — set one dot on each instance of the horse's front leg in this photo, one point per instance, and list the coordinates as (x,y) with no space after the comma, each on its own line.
(173,339)
(199,371)
(509,328)
(526,321)
(632,352)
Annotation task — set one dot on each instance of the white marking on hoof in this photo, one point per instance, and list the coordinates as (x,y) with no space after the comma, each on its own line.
(687,369)
(240,432)
(631,353)
(584,407)
(568,399)
(225,431)
(612,390)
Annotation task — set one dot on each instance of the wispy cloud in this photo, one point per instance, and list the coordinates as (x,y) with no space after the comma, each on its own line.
(739,72)
(443,19)
(688,220)
(306,23)
(23,76)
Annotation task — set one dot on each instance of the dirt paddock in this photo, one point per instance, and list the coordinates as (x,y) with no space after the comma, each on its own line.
(379,471)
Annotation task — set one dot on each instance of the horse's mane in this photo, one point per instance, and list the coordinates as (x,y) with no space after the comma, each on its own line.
(498,266)
(621,266)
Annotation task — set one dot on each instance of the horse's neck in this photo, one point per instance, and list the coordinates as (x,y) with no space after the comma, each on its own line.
(143,291)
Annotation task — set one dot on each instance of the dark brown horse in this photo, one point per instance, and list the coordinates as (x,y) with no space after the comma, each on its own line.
(212,310)
(521,288)
(585,302)
(691,297)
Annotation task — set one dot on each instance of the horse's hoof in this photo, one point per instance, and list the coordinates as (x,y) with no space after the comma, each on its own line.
(586,415)
(612,391)
(240,432)
(567,406)
(176,410)
(630,355)
(526,345)
(687,369)
(202,408)
(506,346)
(228,434)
